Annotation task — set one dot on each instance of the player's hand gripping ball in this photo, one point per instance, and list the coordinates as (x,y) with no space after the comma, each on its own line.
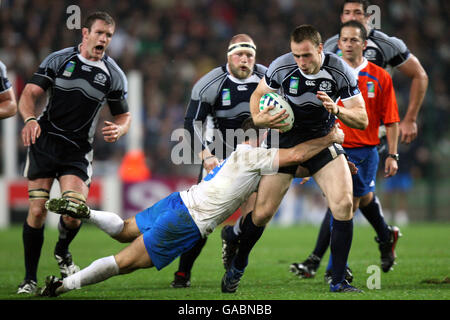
(279,103)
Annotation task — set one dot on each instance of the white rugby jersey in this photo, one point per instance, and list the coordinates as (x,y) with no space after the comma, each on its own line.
(227,186)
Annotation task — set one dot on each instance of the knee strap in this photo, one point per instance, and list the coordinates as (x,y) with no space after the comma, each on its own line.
(35,194)
(73,195)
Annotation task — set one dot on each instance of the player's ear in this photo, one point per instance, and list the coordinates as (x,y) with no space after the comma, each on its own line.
(365,45)
(84,32)
(320,48)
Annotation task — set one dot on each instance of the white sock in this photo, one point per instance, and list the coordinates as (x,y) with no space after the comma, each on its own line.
(109,222)
(97,271)
(237,226)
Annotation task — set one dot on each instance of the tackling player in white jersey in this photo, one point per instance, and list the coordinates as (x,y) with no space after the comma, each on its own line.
(173,225)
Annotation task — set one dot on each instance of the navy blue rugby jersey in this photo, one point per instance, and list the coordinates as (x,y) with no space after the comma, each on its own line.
(312,120)
(382,50)
(224,97)
(77,89)
(4,82)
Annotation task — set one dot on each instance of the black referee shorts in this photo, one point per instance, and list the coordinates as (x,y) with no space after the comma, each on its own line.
(53,157)
(318,161)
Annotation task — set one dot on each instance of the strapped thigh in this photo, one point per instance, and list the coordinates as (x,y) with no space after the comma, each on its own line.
(38,194)
(74,195)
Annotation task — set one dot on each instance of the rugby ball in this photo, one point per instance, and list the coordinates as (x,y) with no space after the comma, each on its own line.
(279,103)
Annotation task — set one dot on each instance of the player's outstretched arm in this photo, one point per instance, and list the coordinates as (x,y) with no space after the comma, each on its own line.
(308,149)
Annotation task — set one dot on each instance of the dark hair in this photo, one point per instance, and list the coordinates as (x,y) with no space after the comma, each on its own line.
(355,24)
(99,15)
(365,4)
(306,32)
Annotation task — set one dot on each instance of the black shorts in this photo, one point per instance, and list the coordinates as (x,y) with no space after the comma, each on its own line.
(53,157)
(318,161)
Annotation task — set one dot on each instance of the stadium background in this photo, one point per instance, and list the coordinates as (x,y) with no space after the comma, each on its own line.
(174,42)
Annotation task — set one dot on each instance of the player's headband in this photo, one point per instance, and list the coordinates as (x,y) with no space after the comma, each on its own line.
(241,46)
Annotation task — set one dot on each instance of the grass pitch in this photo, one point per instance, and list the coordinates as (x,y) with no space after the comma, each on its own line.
(423,262)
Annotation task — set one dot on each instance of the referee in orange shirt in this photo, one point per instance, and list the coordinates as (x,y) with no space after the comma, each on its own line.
(376,87)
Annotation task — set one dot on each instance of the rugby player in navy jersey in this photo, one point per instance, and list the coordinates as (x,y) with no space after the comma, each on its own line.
(79,81)
(311,81)
(8,104)
(388,53)
(219,101)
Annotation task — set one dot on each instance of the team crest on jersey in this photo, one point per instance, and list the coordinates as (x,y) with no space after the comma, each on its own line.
(70,66)
(226,97)
(293,85)
(370,89)
(370,54)
(100,78)
(325,86)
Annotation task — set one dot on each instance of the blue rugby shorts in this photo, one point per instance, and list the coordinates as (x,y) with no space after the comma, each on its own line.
(168,230)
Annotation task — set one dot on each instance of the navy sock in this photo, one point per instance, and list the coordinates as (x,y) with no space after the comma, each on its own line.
(188,258)
(250,234)
(65,237)
(230,233)
(341,241)
(33,240)
(323,239)
(374,215)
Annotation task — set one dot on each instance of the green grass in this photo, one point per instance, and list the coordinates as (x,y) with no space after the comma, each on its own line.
(423,254)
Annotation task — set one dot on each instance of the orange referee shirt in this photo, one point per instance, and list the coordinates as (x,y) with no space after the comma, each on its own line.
(378,92)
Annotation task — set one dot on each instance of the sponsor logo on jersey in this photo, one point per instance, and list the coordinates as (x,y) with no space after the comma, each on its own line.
(226,97)
(339,52)
(310,83)
(100,78)
(242,87)
(87,68)
(325,86)
(293,85)
(370,89)
(70,66)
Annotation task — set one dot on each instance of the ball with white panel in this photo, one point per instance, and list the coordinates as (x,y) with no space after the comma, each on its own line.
(279,103)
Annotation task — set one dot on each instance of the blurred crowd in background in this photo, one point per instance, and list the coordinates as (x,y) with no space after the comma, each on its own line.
(174,42)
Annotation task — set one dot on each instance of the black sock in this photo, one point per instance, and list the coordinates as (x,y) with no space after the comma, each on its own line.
(341,241)
(188,258)
(323,239)
(65,237)
(373,214)
(32,244)
(250,234)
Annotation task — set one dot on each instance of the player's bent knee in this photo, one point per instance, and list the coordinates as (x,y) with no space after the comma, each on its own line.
(133,257)
(343,209)
(37,211)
